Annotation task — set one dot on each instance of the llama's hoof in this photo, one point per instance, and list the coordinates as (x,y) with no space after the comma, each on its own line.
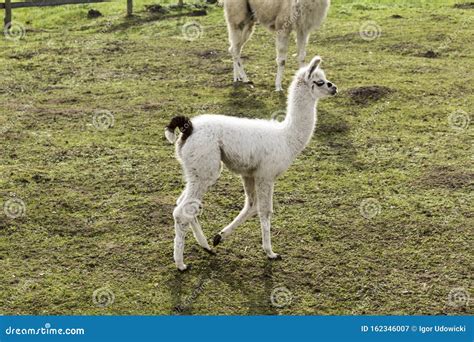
(184,269)
(217,240)
(210,251)
(275,257)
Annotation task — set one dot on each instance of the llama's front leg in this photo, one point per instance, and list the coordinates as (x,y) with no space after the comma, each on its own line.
(265,210)
(282,54)
(302,38)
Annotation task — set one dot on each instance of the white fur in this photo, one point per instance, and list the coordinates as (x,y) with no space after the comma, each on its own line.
(280,16)
(258,150)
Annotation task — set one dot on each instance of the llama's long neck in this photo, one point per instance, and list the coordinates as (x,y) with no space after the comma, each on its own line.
(301,117)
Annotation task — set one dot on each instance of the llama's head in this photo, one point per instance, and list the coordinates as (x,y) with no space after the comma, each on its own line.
(315,79)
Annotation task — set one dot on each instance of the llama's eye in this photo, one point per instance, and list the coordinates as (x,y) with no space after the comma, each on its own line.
(319,83)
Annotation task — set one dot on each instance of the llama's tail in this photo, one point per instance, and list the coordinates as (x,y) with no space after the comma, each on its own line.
(185,126)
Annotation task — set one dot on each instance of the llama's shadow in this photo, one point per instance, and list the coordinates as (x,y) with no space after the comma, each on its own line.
(334,132)
(143,18)
(243,101)
(217,273)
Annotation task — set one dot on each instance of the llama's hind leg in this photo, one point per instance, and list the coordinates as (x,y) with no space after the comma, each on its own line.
(179,238)
(190,205)
(185,215)
(181,230)
(302,40)
(282,54)
(238,36)
(199,236)
(249,210)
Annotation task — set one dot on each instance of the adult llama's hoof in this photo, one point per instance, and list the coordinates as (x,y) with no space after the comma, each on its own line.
(217,240)
(184,269)
(275,257)
(210,251)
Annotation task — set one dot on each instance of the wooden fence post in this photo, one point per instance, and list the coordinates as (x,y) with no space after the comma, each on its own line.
(129,8)
(8,12)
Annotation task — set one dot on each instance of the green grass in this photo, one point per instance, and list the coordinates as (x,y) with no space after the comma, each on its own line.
(99,203)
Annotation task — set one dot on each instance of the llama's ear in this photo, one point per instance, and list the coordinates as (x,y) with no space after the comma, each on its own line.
(313,66)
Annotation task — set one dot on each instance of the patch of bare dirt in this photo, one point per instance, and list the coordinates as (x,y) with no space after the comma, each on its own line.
(367,94)
(65,100)
(147,107)
(405,48)
(344,38)
(467,5)
(92,14)
(429,54)
(447,177)
(209,54)
(222,70)
(155,8)
(23,55)
(113,47)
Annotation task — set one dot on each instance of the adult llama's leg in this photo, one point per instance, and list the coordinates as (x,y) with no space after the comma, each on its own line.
(238,36)
(240,24)
(249,210)
(302,41)
(282,54)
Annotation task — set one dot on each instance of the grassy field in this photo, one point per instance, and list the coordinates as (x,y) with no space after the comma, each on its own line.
(375,217)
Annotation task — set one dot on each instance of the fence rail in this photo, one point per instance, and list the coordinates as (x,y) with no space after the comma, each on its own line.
(49,3)
(8,5)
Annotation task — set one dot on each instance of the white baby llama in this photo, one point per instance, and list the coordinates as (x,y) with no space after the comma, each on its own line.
(258,150)
(279,16)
